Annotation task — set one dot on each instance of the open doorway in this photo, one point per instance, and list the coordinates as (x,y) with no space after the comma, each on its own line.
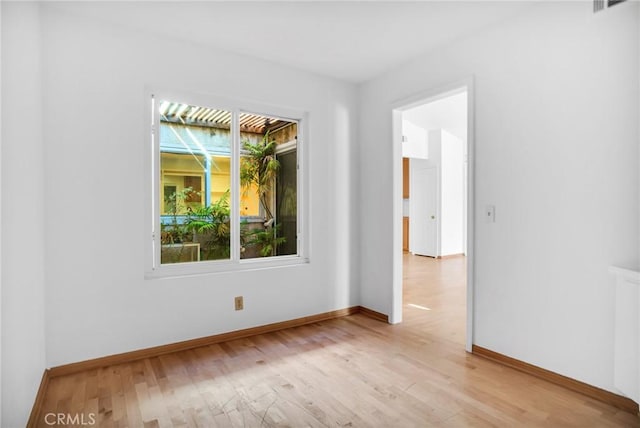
(433,267)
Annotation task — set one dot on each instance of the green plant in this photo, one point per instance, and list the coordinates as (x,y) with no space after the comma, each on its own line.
(210,226)
(259,168)
(175,232)
(266,239)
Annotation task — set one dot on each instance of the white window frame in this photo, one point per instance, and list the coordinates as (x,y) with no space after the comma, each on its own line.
(153,267)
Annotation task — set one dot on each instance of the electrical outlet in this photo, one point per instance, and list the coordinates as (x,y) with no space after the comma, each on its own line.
(239,303)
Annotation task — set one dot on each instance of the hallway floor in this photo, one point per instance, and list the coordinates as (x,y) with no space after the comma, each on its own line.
(434,294)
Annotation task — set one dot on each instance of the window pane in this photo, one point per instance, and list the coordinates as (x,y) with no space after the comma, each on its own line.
(195,150)
(268,178)
(286,202)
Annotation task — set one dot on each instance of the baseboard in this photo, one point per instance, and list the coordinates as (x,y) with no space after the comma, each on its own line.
(450,256)
(596,393)
(374,314)
(39,401)
(155,351)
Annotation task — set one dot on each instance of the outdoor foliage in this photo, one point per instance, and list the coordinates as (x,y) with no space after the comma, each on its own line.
(259,169)
(210,226)
(266,240)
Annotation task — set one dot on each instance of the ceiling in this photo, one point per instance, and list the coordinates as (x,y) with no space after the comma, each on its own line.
(449,113)
(352,41)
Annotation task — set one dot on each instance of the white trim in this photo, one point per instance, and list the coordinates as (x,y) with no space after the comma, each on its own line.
(631,275)
(439,210)
(396,295)
(153,267)
(1,6)
(397,108)
(151,190)
(303,193)
(181,270)
(234,203)
(430,96)
(471,211)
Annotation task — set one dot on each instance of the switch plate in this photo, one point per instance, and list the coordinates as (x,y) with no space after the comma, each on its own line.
(490,214)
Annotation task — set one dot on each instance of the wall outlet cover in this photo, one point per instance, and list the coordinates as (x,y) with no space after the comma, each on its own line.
(239,303)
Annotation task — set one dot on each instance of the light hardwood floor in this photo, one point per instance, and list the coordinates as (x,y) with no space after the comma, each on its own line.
(353,371)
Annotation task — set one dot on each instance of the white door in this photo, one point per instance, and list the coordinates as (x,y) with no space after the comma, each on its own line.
(423,215)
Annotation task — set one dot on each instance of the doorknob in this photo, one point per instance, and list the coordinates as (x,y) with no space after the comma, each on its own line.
(433,217)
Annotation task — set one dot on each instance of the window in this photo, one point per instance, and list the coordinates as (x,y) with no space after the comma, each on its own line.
(225,187)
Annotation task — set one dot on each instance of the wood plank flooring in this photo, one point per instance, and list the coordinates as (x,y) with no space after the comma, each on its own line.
(353,371)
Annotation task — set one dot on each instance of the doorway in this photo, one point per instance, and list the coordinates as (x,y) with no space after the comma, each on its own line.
(432,133)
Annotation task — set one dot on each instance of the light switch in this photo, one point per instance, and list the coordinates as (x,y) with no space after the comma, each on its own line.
(490,214)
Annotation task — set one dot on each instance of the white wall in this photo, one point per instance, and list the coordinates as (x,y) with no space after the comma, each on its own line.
(556,101)
(448,113)
(0,214)
(98,302)
(415,145)
(23,310)
(73,112)
(452,194)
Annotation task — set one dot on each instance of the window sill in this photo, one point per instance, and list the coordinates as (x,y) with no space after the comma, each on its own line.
(182,270)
